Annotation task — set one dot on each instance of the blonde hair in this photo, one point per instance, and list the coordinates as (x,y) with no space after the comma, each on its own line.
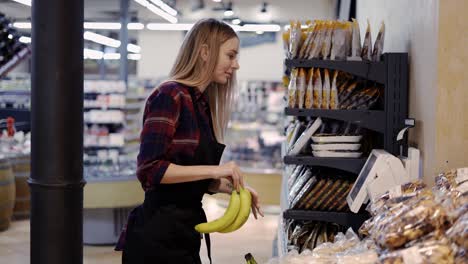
(188,69)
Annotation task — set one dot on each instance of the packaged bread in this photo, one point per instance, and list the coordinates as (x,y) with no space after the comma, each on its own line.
(425,252)
(338,50)
(346,93)
(317,92)
(312,42)
(306,44)
(356,41)
(303,191)
(379,43)
(334,92)
(301,87)
(297,186)
(335,196)
(286,36)
(326,42)
(333,188)
(362,97)
(415,219)
(318,40)
(366,52)
(317,187)
(298,170)
(326,90)
(340,199)
(294,39)
(458,233)
(292,89)
(309,97)
(311,202)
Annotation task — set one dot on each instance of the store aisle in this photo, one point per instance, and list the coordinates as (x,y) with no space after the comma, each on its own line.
(255,237)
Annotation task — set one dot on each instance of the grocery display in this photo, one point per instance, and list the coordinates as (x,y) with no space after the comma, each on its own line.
(12,51)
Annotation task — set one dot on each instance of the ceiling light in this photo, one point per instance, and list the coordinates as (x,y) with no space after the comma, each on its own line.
(102,25)
(103,40)
(260,27)
(228,13)
(24,2)
(92,54)
(22,25)
(165,7)
(157,10)
(24,39)
(135,26)
(133,48)
(259,32)
(169,27)
(134,56)
(236,21)
(112,56)
(217,1)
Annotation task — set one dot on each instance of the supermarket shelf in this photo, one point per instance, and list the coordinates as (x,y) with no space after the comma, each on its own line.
(104,123)
(371,119)
(95,148)
(343,218)
(353,165)
(104,92)
(10,65)
(104,108)
(22,117)
(15,92)
(375,71)
(282,241)
(134,106)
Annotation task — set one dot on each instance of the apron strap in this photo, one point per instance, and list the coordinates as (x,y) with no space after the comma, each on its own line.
(208,246)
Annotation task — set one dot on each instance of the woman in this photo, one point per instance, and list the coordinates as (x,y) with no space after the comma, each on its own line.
(179,153)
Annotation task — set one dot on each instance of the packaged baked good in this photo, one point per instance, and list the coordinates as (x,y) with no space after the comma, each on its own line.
(306,44)
(326,43)
(458,233)
(363,97)
(334,92)
(379,43)
(292,89)
(318,40)
(294,39)
(346,93)
(335,195)
(317,92)
(309,97)
(317,187)
(326,90)
(333,188)
(299,170)
(303,191)
(355,42)
(313,200)
(425,252)
(301,87)
(301,181)
(414,219)
(340,199)
(338,50)
(286,36)
(312,42)
(366,52)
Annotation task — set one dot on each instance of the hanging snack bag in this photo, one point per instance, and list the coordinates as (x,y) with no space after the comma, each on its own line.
(292,89)
(345,93)
(355,42)
(326,90)
(366,52)
(379,42)
(317,104)
(309,90)
(301,87)
(317,41)
(334,92)
(294,39)
(311,45)
(326,43)
(305,45)
(286,36)
(338,50)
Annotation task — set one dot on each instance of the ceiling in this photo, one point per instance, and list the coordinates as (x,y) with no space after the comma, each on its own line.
(279,11)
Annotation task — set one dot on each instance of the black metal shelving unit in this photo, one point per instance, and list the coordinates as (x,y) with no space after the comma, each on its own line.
(392,73)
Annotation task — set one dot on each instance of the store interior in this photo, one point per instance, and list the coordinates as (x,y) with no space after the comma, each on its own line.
(349,121)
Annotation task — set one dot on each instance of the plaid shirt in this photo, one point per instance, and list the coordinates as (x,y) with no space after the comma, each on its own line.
(170,131)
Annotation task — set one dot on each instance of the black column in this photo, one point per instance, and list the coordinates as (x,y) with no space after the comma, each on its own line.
(57,132)
(124,4)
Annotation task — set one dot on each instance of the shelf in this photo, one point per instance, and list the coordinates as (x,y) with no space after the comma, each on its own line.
(104,123)
(104,108)
(353,165)
(343,218)
(7,67)
(375,71)
(371,119)
(91,148)
(22,117)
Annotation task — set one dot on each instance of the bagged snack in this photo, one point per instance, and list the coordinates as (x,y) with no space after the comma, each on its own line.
(415,219)
(335,195)
(379,43)
(326,42)
(458,233)
(346,93)
(292,89)
(303,191)
(301,204)
(295,174)
(366,52)
(363,97)
(301,87)
(318,41)
(286,35)
(306,44)
(333,188)
(317,92)
(338,50)
(311,45)
(298,185)
(294,39)
(334,92)
(309,90)
(355,42)
(326,91)
(313,200)
(425,252)
(339,200)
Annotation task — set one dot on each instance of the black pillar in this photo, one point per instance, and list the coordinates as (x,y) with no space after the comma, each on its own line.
(57,132)
(124,4)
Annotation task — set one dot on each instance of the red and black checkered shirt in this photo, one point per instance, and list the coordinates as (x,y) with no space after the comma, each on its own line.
(170,130)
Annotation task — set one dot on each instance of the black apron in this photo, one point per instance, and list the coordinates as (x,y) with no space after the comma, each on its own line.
(162,229)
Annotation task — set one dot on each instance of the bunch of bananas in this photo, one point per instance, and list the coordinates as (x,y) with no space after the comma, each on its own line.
(235,216)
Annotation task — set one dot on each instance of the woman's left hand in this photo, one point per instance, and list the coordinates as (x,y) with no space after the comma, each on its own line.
(255,202)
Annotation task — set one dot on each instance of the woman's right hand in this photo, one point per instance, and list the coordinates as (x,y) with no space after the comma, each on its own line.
(232,172)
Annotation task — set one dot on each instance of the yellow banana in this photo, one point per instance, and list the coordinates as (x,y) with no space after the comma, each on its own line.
(225,220)
(244,212)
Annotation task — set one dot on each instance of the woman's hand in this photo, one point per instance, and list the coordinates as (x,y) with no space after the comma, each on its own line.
(255,202)
(232,172)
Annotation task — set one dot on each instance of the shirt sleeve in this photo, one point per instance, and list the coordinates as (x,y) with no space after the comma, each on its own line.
(159,124)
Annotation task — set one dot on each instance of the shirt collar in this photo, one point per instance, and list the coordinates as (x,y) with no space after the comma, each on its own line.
(199,96)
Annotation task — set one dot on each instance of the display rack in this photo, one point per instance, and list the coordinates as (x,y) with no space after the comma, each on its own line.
(17,59)
(392,73)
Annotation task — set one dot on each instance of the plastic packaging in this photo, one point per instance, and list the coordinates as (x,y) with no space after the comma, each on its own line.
(334,92)
(312,42)
(336,154)
(335,196)
(356,42)
(303,191)
(306,44)
(286,35)
(346,93)
(313,200)
(379,43)
(309,97)
(338,50)
(336,205)
(326,90)
(303,201)
(294,39)
(317,104)
(298,171)
(327,40)
(292,88)
(425,252)
(301,87)
(318,40)
(458,233)
(333,188)
(366,52)
(305,137)
(336,139)
(299,184)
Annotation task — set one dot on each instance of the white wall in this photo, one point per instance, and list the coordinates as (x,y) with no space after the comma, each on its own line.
(412,26)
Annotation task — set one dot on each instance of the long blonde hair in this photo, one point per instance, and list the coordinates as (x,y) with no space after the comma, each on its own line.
(188,69)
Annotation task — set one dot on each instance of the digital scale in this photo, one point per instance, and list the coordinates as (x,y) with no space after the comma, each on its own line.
(380,173)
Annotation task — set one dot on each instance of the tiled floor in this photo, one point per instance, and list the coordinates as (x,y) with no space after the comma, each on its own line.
(255,237)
